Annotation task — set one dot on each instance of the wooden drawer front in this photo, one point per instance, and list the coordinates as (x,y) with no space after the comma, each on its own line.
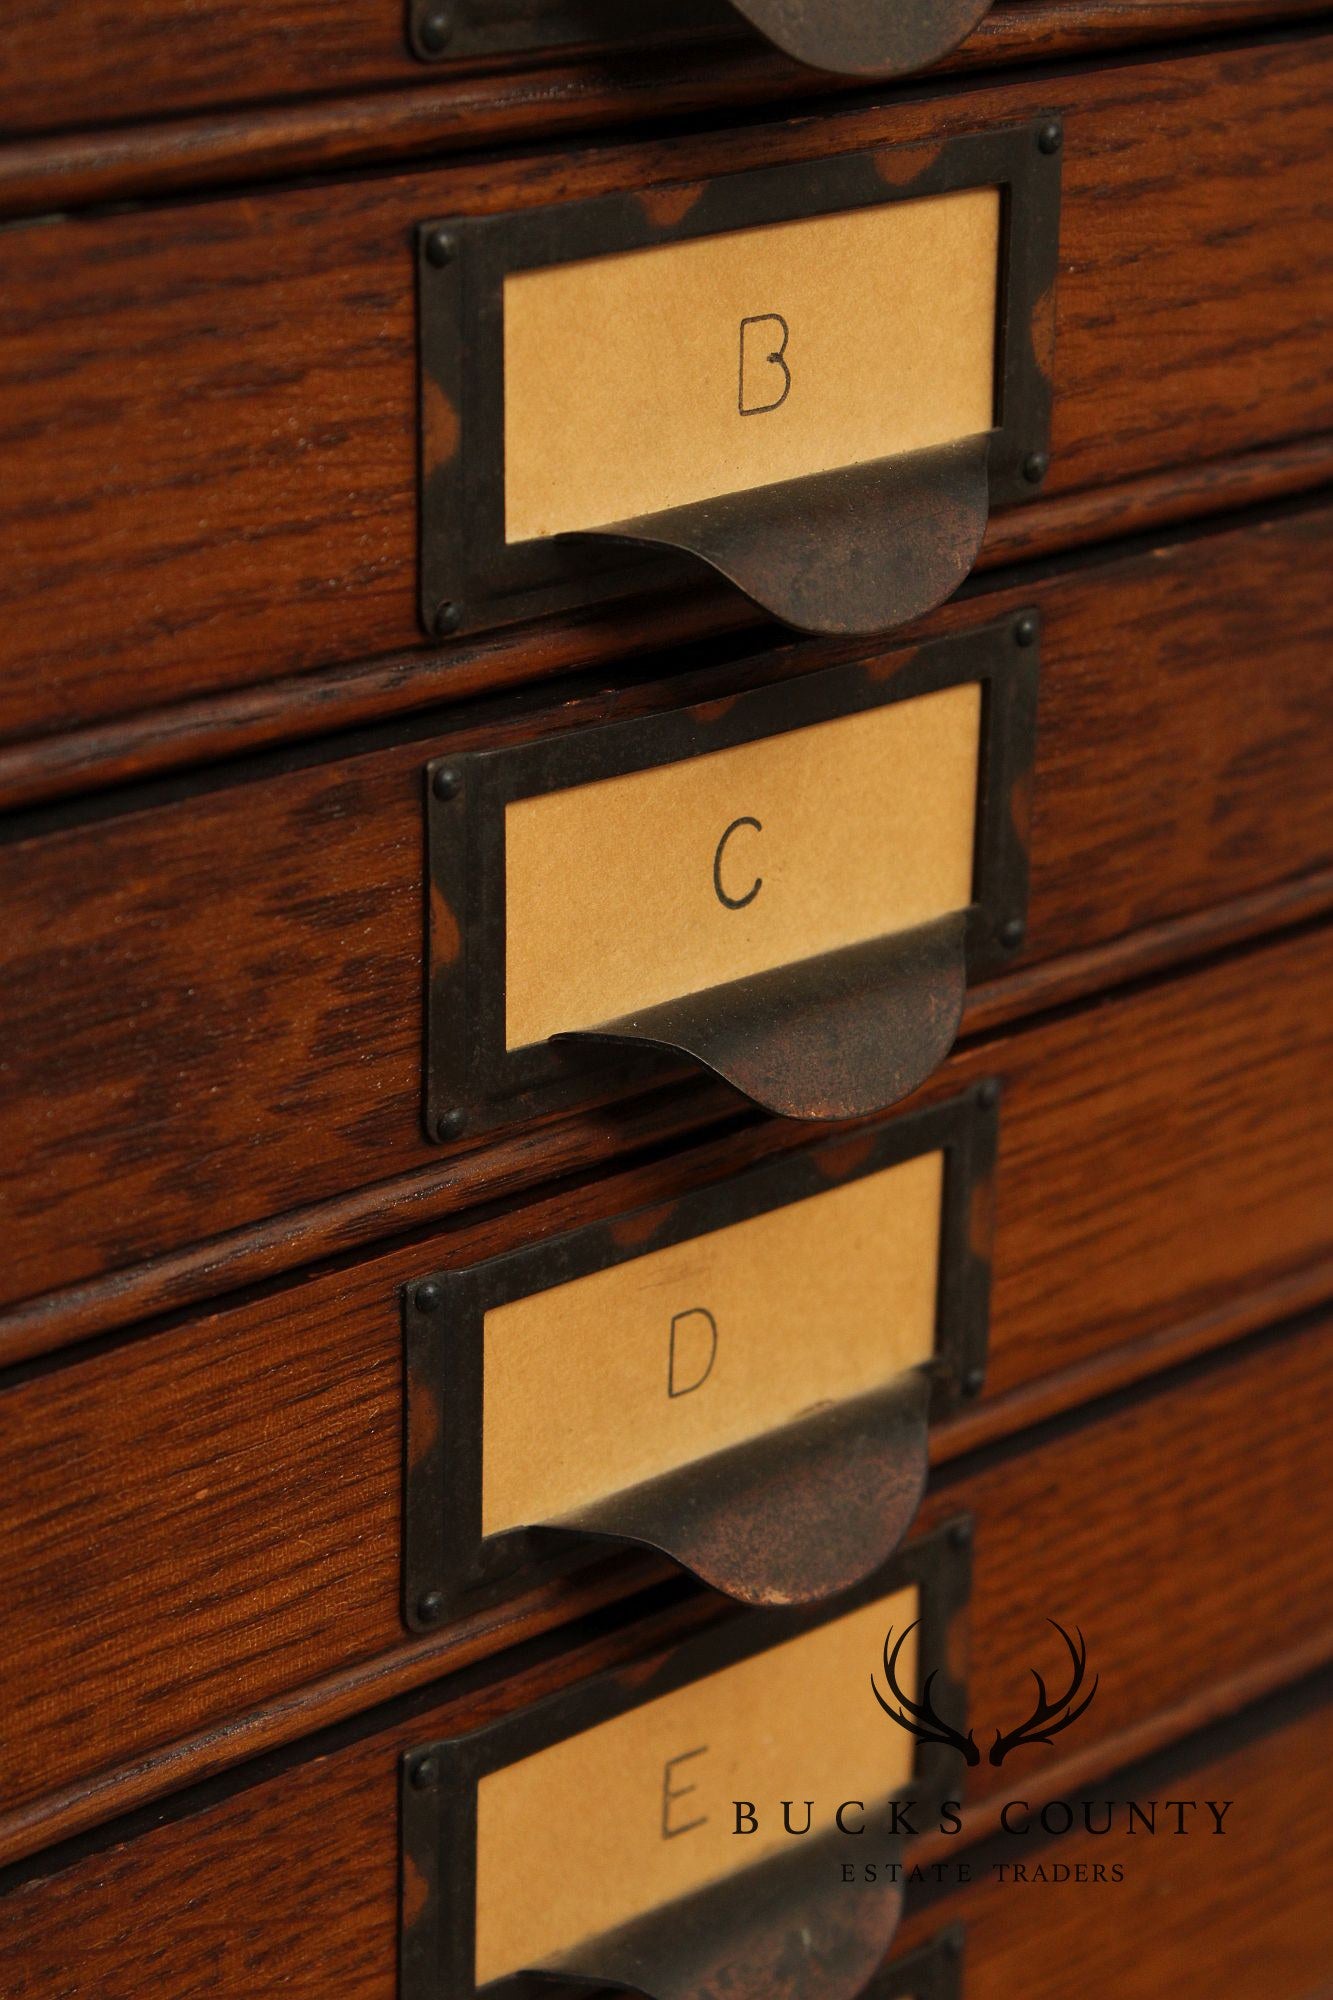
(232,387)
(78,62)
(1173,1922)
(1187,1512)
(212,1004)
(205,1518)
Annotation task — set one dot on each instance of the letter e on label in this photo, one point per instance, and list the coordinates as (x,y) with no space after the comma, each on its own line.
(672,1825)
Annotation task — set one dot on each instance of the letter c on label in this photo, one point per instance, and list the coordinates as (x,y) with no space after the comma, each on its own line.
(735,902)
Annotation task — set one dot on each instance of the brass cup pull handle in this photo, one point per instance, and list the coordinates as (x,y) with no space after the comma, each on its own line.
(832,1037)
(864,37)
(859,550)
(795,1515)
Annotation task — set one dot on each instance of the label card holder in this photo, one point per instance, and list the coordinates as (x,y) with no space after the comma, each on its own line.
(631,1777)
(742,1378)
(791,887)
(855,351)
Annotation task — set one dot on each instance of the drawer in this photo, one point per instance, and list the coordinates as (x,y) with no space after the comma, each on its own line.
(1169,1922)
(211,993)
(236,1475)
(1186,1510)
(232,385)
(69,64)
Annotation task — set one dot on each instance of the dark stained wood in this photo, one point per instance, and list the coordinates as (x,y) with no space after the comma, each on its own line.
(207,412)
(1247,1909)
(1181,1530)
(1189,1512)
(212,1006)
(417,1200)
(144,744)
(205,1520)
(70,63)
(1146,954)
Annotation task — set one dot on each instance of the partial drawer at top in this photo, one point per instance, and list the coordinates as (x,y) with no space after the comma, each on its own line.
(66,65)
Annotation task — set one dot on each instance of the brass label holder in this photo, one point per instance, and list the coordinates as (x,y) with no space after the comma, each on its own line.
(860,548)
(795,1514)
(781,1926)
(837,1035)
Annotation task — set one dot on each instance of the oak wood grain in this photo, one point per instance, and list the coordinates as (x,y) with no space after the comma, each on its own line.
(212,1004)
(208,411)
(201,1521)
(1188,1511)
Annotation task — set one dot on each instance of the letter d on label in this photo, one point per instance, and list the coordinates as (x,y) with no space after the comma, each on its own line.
(762,365)
(691,1346)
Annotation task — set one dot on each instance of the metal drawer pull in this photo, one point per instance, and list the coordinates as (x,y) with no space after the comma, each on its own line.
(864,37)
(742,1378)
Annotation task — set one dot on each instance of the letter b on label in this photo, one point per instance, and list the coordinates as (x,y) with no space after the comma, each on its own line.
(765,376)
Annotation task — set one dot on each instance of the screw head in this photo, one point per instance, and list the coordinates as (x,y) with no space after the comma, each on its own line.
(1025,631)
(988,1094)
(434,31)
(1050,136)
(1035,467)
(428,1298)
(423,1773)
(430,1608)
(960,1535)
(974,1382)
(446,781)
(448,1126)
(1012,933)
(441,248)
(448,618)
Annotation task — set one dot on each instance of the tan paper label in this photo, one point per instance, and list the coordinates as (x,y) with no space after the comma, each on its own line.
(655,377)
(639,1811)
(642,888)
(613,1378)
